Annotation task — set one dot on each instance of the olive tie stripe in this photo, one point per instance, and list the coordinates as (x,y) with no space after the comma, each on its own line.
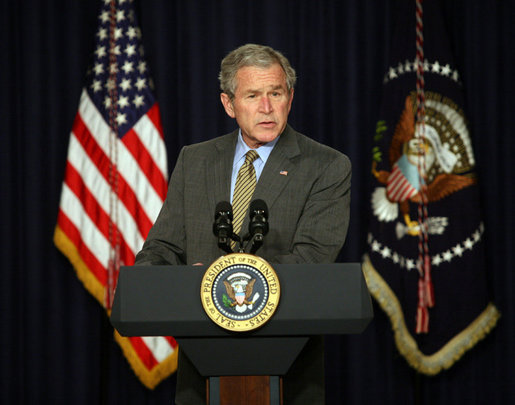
(245,186)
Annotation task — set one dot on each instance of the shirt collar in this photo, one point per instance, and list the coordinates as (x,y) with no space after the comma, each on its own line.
(263,151)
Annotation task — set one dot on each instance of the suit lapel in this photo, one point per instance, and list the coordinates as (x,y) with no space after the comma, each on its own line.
(279,168)
(219,169)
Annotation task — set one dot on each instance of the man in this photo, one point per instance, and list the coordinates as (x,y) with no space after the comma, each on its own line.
(306,186)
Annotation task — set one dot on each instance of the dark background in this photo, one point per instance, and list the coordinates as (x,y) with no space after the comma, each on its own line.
(56,343)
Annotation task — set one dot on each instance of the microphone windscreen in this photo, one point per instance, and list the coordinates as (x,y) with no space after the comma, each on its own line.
(259,205)
(223,206)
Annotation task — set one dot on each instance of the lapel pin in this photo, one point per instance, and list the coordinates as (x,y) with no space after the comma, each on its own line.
(283,172)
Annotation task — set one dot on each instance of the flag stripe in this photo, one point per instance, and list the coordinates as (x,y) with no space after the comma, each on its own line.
(154,116)
(144,352)
(96,268)
(99,217)
(159,346)
(134,145)
(171,340)
(126,195)
(96,243)
(150,132)
(98,186)
(127,166)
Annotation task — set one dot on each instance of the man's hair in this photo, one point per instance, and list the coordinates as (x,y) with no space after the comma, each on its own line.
(252,55)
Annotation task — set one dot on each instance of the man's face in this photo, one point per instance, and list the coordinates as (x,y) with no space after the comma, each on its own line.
(261,103)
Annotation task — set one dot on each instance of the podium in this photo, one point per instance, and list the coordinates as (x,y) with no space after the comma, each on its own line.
(316,299)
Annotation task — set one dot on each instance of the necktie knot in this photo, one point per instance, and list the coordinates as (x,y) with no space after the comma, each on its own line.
(250,156)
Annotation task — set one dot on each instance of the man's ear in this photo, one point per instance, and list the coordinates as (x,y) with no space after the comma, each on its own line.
(291,99)
(227,103)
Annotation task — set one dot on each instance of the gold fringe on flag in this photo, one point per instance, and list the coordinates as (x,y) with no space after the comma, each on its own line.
(451,352)
(149,378)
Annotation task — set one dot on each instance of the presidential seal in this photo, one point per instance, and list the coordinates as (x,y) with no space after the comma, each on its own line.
(240,292)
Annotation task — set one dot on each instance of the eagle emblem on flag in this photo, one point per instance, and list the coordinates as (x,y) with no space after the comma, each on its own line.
(447,164)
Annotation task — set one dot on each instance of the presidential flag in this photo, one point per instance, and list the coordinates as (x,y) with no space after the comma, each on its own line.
(425,263)
(115,179)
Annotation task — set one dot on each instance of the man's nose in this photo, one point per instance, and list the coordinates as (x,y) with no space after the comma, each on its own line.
(265,105)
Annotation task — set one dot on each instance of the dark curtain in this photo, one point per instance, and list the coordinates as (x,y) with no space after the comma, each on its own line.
(56,342)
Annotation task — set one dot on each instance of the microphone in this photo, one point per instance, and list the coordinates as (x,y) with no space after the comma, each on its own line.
(222,227)
(258,225)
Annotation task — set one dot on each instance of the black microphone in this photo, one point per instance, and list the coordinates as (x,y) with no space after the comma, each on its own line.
(222,227)
(258,225)
(258,218)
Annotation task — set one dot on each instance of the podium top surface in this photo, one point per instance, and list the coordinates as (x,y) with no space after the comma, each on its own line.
(316,299)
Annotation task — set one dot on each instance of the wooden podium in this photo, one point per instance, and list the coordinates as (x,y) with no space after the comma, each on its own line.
(316,299)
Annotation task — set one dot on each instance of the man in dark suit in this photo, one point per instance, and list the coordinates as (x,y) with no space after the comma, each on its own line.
(306,186)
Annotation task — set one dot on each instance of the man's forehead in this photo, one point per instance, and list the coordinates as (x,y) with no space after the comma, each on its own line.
(254,77)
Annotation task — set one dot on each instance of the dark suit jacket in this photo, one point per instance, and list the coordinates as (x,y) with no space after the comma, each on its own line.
(306,186)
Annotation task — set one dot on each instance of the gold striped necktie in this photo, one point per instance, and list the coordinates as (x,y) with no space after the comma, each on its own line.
(245,186)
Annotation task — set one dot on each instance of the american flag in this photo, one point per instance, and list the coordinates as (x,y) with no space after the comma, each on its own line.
(116,176)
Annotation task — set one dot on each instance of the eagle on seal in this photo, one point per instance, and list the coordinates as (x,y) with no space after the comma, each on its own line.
(238,294)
